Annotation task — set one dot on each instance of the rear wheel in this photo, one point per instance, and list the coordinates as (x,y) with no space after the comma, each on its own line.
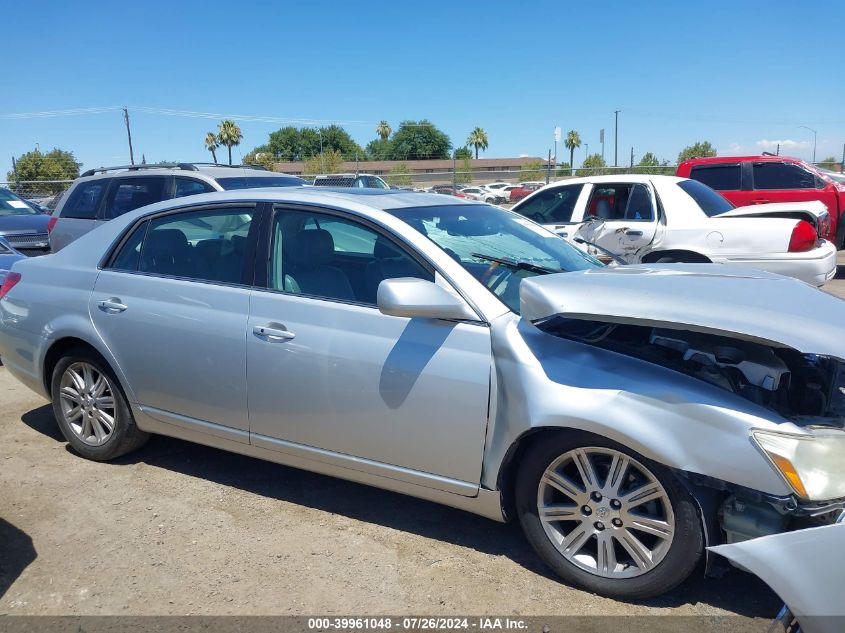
(605,518)
(91,409)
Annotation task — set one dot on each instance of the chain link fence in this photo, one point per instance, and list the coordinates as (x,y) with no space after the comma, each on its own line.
(45,193)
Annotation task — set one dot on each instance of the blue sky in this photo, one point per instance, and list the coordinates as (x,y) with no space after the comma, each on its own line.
(743,75)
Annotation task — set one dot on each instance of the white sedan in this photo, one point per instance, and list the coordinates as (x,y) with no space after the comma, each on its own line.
(649,218)
(479,193)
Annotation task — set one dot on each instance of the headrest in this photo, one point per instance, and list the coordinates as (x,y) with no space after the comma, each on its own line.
(385,249)
(312,248)
(172,240)
(603,209)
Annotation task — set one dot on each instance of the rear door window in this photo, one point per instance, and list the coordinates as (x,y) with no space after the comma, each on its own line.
(85,199)
(719,177)
(128,194)
(190,187)
(771,175)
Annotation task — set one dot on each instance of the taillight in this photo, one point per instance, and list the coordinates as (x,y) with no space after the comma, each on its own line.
(51,223)
(803,237)
(9,282)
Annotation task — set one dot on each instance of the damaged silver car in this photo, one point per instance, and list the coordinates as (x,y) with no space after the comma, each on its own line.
(453,351)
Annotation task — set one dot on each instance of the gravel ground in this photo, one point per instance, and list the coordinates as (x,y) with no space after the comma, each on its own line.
(178,529)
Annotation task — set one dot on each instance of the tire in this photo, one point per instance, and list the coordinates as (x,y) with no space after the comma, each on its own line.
(83,416)
(607,524)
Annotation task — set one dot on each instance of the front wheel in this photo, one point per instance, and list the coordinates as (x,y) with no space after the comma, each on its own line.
(90,407)
(605,518)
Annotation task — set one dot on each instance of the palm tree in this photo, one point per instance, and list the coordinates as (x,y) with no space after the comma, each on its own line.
(478,139)
(211,144)
(573,141)
(229,134)
(383,130)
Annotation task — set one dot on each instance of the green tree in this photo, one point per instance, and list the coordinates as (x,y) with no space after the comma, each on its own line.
(400,176)
(383,130)
(534,170)
(648,164)
(563,169)
(463,172)
(56,164)
(335,138)
(572,142)
(828,163)
(211,144)
(229,134)
(478,139)
(331,162)
(419,140)
(294,144)
(379,149)
(592,166)
(462,153)
(701,149)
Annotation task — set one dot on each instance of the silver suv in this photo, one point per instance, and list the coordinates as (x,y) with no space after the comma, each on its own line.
(366,181)
(103,194)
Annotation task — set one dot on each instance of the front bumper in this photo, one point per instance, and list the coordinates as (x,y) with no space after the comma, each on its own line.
(815,267)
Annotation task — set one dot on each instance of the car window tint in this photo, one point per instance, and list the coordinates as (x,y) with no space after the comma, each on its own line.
(639,205)
(190,187)
(255,182)
(552,206)
(203,245)
(85,199)
(782,176)
(334,258)
(719,177)
(128,194)
(129,255)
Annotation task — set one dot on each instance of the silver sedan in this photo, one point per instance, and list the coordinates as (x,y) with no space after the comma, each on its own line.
(452,351)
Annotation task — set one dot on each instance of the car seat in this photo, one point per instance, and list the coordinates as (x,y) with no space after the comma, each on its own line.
(310,252)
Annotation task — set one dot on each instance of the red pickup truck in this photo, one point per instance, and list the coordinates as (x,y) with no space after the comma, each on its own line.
(746,180)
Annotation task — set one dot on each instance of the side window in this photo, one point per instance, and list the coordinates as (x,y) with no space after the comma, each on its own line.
(190,187)
(639,205)
(782,176)
(335,258)
(85,199)
(609,202)
(719,177)
(205,245)
(129,255)
(128,194)
(553,206)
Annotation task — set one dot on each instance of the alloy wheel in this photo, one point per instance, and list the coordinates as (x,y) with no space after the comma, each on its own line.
(87,403)
(605,512)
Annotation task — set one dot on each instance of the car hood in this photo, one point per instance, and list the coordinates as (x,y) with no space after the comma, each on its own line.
(710,298)
(29,223)
(814,208)
(802,567)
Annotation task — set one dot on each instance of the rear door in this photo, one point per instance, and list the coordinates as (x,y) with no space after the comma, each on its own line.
(78,214)
(789,182)
(172,306)
(630,218)
(727,179)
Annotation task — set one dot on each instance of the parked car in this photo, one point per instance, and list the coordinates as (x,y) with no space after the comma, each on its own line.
(835,176)
(479,193)
(748,180)
(453,351)
(646,219)
(350,180)
(8,256)
(448,190)
(524,190)
(100,195)
(22,226)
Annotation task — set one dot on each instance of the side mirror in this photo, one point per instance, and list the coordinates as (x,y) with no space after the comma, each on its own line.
(411,297)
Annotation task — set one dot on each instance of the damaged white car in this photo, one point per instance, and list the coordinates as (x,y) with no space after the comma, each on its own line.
(626,417)
(651,218)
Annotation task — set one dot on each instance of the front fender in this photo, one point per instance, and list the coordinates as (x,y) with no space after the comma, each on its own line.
(543,381)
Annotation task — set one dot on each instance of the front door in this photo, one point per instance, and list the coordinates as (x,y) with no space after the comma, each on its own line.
(333,379)
(172,306)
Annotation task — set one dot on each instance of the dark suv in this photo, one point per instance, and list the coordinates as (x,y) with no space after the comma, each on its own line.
(103,194)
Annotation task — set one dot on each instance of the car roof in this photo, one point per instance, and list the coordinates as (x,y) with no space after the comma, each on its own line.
(705,160)
(622,178)
(182,169)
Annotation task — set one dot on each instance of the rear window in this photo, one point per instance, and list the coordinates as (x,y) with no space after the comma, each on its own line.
(256,182)
(711,202)
(782,176)
(719,177)
(129,194)
(85,199)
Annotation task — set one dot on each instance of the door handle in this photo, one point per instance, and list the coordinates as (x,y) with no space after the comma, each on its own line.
(112,306)
(632,233)
(273,334)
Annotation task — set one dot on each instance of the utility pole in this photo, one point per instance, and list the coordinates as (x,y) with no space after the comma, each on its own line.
(356,163)
(777,151)
(586,151)
(455,171)
(601,138)
(129,136)
(814,141)
(322,166)
(616,139)
(15,171)
(549,167)
(632,156)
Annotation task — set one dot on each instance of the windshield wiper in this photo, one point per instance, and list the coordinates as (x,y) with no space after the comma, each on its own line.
(516,264)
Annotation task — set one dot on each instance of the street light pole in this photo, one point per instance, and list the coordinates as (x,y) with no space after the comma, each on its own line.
(616,139)
(814,140)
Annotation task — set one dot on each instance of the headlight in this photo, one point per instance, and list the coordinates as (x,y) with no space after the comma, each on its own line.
(812,465)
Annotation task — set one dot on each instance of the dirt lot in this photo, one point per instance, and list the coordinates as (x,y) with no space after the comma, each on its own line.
(182,529)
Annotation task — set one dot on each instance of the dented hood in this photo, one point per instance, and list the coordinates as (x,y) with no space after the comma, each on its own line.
(813,208)
(711,298)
